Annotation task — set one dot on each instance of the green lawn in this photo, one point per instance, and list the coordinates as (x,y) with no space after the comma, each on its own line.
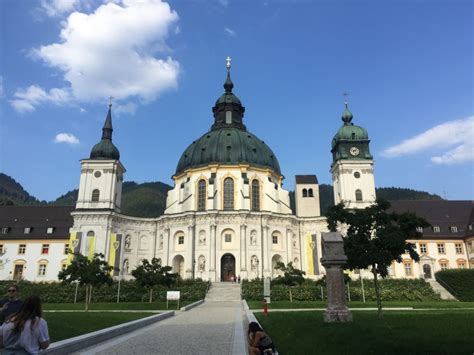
(358,304)
(139,306)
(439,332)
(67,325)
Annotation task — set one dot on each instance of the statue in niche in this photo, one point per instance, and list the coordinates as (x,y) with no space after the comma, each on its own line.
(128,242)
(254,263)
(296,262)
(161,241)
(253,238)
(125,266)
(202,263)
(294,241)
(202,238)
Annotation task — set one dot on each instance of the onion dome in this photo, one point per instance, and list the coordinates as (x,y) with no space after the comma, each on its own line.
(348,131)
(228,142)
(105,149)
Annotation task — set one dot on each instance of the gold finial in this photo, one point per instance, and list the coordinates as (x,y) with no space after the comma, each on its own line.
(110,100)
(228,60)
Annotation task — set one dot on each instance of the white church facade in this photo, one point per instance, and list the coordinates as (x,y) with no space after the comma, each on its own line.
(228,214)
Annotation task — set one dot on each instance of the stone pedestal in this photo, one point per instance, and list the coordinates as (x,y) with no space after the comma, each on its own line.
(333,259)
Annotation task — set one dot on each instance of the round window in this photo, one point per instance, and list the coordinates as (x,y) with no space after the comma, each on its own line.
(357,175)
(97,174)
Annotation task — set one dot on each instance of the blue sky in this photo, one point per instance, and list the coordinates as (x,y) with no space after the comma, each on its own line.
(407,66)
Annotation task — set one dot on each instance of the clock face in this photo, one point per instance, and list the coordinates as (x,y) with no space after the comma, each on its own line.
(354,151)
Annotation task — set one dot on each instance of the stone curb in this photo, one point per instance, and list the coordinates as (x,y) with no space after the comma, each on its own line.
(80,342)
(250,317)
(191,306)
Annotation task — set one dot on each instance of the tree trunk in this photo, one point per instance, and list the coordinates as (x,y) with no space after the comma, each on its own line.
(87,298)
(151,295)
(377,292)
(291,296)
(90,294)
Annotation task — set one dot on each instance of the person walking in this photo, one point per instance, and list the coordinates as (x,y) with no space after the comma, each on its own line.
(26,332)
(11,304)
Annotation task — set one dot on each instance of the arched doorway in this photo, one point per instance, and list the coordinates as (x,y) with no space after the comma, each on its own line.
(227,267)
(178,265)
(276,259)
(427,271)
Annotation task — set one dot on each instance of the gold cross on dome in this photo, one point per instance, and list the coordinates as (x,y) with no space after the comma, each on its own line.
(345,94)
(228,60)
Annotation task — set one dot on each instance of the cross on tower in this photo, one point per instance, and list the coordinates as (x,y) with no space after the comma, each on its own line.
(345,94)
(228,60)
(110,100)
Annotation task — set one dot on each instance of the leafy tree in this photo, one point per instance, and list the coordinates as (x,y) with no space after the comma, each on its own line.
(151,274)
(291,276)
(375,238)
(93,272)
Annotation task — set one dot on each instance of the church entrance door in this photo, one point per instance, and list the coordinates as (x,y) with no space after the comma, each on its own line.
(227,267)
(427,271)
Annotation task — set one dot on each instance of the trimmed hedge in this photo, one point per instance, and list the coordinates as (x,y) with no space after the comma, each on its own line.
(55,292)
(391,290)
(461,281)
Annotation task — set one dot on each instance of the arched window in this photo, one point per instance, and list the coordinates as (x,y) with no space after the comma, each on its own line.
(95,195)
(202,195)
(358,195)
(310,193)
(228,194)
(90,234)
(255,195)
(305,193)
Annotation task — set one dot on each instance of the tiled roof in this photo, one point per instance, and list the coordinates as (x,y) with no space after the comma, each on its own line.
(443,214)
(38,218)
(306,179)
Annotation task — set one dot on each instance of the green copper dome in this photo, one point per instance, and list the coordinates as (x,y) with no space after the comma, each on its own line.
(348,131)
(228,146)
(105,149)
(228,142)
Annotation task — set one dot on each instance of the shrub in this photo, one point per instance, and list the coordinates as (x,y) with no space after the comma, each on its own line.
(461,281)
(55,292)
(391,290)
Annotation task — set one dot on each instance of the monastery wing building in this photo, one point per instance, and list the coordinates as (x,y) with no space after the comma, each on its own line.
(228,214)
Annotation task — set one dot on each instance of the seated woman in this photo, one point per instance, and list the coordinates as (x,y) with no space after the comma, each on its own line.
(260,342)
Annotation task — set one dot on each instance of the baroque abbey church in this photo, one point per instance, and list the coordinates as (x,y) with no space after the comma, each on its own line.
(228,214)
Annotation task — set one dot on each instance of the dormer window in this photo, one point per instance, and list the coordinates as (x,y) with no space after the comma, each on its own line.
(454,229)
(50,230)
(228,117)
(5,230)
(419,229)
(436,229)
(27,230)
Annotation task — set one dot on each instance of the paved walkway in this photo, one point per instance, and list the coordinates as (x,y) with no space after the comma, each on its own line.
(215,327)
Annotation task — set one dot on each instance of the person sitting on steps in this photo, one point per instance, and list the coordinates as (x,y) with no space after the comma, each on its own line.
(259,341)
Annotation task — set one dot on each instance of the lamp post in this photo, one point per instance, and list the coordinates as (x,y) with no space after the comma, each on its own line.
(194,267)
(258,262)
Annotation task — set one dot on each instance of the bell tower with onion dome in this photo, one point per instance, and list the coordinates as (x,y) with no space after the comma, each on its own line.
(101,180)
(352,166)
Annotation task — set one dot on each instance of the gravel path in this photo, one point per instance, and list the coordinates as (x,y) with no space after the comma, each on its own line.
(215,327)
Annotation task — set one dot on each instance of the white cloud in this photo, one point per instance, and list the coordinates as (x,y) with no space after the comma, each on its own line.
(230,32)
(82,110)
(68,138)
(26,100)
(457,136)
(55,8)
(113,51)
(128,108)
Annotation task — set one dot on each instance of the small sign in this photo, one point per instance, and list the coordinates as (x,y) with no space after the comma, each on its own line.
(266,289)
(173,295)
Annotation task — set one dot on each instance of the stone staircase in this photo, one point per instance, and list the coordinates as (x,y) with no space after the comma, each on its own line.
(438,288)
(223,291)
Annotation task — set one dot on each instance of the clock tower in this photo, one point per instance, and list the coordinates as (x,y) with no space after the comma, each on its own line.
(352,165)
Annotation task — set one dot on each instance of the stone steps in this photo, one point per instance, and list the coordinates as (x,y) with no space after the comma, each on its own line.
(438,288)
(223,291)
